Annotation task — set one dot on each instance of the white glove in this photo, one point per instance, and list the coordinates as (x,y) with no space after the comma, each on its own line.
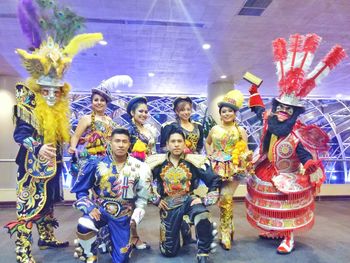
(211,198)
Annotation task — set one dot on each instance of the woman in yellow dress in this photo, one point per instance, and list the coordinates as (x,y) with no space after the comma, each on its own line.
(226,146)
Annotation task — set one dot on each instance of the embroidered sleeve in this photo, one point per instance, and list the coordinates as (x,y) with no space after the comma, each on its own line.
(23,135)
(143,186)
(86,179)
(211,180)
(303,154)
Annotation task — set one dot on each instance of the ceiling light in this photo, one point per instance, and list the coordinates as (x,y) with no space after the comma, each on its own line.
(223,76)
(151,74)
(206,46)
(103,42)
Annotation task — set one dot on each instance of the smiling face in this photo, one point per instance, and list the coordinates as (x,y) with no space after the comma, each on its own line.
(227,114)
(284,112)
(184,110)
(99,103)
(140,114)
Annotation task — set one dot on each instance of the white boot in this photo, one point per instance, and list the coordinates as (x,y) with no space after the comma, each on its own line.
(287,245)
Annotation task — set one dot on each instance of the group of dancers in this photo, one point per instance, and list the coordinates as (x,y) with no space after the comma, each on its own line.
(119,171)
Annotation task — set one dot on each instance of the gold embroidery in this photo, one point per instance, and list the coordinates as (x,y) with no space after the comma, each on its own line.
(176,180)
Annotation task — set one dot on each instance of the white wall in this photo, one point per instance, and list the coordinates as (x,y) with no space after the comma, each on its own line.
(8,148)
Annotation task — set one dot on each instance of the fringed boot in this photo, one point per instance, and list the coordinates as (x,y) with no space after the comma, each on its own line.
(226,221)
(47,239)
(24,240)
(24,243)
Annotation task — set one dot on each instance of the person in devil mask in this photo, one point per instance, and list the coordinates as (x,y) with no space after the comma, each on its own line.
(288,172)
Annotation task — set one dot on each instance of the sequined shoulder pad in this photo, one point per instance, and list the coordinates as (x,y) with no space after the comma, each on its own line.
(197,122)
(25,104)
(312,137)
(167,123)
(133,161)
(155,160)
(197,160)
(24,96)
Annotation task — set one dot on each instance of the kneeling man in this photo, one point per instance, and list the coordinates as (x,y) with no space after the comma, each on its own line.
(177,175)
(119,183)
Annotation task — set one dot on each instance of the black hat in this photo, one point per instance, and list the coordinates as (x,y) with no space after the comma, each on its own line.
(181,99)
(132,102)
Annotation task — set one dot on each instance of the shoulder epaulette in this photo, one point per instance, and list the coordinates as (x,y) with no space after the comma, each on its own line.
(25,104)
(197,160)
(197,122)
(155,160)
(133,161)
(167,123)
(24,96)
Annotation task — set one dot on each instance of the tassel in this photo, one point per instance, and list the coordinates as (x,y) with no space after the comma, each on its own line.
(286,213)
(254,220)
(279,47)
(311,43)
(322,69)
(294,78)
(271,193)
(81,42)
(334,57)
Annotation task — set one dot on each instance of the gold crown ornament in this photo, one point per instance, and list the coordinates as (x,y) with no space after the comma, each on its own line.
(48,63)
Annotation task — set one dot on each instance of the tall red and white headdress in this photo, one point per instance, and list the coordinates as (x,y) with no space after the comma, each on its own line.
(293,61)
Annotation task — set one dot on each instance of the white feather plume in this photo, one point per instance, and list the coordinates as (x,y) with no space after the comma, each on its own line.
(116,81)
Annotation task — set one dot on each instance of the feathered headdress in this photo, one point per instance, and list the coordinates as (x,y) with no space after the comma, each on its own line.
(41,18)
(293,60)
(49,62)
(51,58)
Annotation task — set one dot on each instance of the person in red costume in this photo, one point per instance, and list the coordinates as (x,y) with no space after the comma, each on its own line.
(288,172)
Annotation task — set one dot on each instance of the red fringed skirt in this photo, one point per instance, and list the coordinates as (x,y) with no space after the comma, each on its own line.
(273,211)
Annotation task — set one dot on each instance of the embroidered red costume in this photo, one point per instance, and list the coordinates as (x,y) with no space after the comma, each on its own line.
(288,172)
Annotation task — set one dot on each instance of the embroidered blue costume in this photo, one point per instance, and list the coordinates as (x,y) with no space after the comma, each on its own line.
(116,193)
(42,126)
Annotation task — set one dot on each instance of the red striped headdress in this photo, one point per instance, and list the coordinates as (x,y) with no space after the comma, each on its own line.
(293,60)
